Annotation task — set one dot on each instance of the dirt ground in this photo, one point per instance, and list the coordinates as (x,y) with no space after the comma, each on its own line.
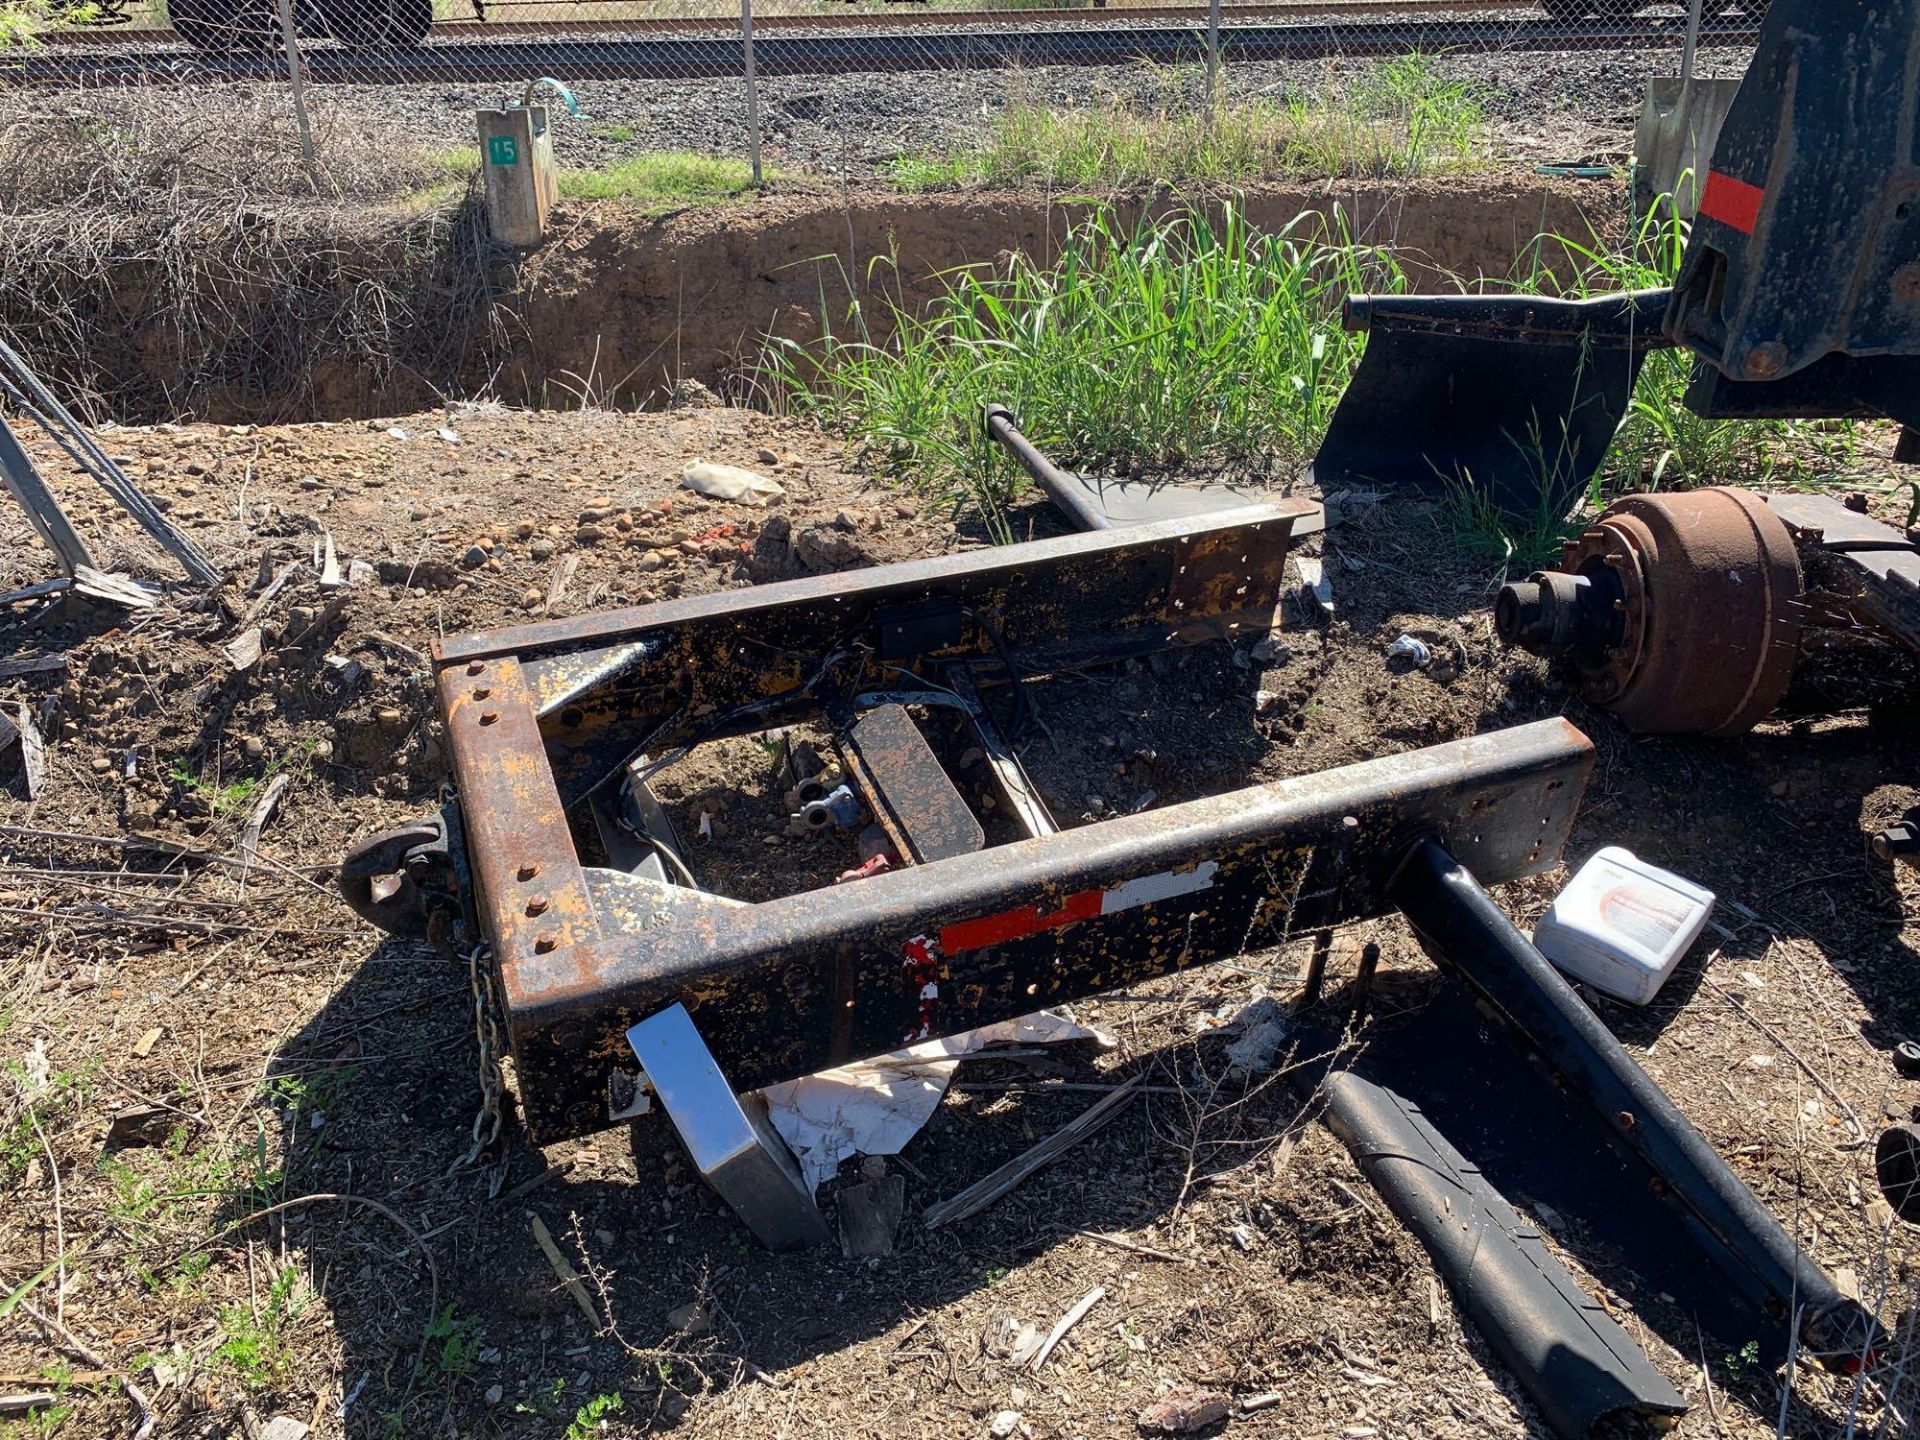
(276,1052)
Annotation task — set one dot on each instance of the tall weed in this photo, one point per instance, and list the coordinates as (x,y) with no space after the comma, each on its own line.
(1189,334)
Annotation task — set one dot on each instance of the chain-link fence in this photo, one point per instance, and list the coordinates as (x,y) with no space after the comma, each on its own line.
(817,87)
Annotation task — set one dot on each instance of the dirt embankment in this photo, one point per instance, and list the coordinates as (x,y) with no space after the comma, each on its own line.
(637,304)
(254,319)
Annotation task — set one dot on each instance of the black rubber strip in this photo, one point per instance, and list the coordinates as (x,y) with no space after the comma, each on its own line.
(1576,1363)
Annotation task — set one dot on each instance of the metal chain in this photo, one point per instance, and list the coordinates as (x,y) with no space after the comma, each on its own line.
(486,1029)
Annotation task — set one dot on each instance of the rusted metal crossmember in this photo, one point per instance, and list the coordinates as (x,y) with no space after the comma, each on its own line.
(539,716)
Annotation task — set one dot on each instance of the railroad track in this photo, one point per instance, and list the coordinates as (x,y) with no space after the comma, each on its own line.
(901,16)
(1013,40)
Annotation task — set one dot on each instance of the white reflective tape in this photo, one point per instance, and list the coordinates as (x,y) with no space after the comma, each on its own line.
(1149,888)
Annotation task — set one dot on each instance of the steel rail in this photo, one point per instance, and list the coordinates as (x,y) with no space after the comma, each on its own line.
(890,51)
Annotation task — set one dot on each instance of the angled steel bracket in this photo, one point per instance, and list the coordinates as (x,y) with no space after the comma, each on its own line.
(728,1137)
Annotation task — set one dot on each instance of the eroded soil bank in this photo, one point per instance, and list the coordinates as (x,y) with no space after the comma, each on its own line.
(300,316)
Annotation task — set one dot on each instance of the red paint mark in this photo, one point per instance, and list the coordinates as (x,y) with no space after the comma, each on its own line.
(1012,924)
(1732,202)
(923,972)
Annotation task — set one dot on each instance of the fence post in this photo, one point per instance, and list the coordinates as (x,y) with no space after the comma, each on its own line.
(1213,56)
(753,88)
(1693,44)
(297,75)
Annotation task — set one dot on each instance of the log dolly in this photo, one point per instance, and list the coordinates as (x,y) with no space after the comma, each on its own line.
(621,980)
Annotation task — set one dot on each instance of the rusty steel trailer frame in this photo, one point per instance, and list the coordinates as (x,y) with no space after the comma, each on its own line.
(541,716)
(618,984)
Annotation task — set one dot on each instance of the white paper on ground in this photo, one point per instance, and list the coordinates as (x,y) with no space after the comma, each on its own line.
(1313,576)
(729,482)
(874,1107)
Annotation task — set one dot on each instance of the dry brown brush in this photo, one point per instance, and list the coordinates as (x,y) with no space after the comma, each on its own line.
(218,277)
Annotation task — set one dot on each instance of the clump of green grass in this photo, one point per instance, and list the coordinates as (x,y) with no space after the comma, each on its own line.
(658,180)
(437,176)
(1402,119)
(1660,443)
(37,1105)
(1190,334)
(257,1343)
(26,22)
(661,180)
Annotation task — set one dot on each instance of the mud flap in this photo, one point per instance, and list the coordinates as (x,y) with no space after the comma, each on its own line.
(1514,396)
(1578,1365)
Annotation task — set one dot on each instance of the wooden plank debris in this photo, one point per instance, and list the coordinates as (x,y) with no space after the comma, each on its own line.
(25,483)
(870,1215)
(33,751)
(144,1125)
(121,590)
(243,651)
(38,590)
(329,613)
(32,395)
(562,578)
(263,809)
(34,665)
(330,577)
(982,1193)
(272,590)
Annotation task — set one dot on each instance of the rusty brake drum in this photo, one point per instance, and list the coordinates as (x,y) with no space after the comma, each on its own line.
(1679,613)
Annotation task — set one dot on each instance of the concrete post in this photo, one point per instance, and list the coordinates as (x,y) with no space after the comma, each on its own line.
(753,88)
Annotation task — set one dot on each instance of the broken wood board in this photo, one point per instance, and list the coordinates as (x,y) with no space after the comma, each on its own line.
(982,1193)
(121,590)
(243,651)
(262,812)
(562,578)
(564,1271)
(33,665)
